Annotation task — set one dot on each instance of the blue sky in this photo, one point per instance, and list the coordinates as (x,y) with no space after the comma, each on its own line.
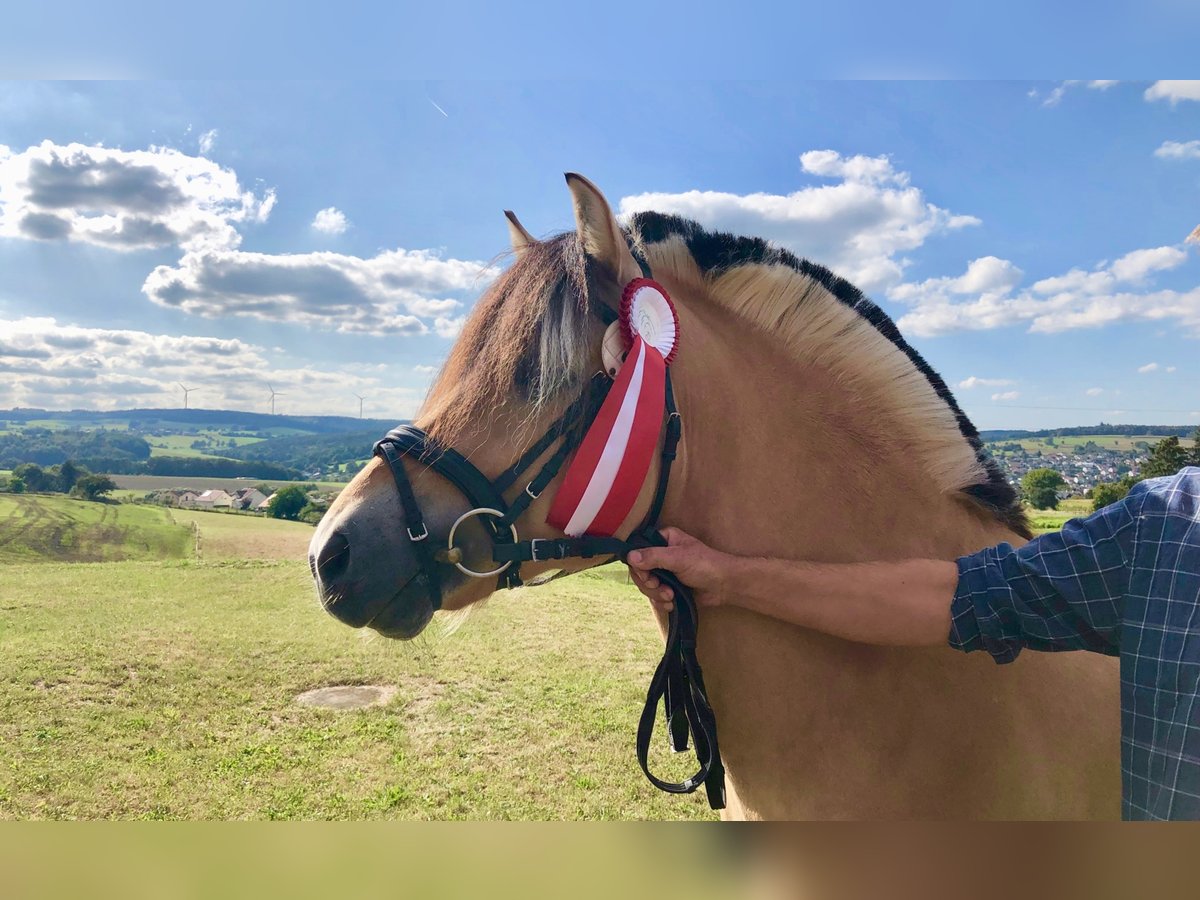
(327,238)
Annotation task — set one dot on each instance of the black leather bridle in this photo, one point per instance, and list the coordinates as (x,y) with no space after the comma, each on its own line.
(678,681)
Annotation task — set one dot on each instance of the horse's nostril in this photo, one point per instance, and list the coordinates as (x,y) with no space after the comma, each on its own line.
(333,558)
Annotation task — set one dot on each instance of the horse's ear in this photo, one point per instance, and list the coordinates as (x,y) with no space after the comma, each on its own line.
(521,239)
(598,229)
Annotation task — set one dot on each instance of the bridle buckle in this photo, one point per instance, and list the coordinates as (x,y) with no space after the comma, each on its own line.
(418,537)
(536,556)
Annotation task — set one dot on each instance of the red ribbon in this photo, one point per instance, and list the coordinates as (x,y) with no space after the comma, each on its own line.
(606,476)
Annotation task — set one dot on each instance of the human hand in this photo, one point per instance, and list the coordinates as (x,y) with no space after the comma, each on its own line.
(698,565)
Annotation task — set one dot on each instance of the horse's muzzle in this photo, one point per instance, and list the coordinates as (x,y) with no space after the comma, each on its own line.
(357,578)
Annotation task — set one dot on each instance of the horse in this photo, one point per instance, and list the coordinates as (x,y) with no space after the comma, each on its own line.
(811,431)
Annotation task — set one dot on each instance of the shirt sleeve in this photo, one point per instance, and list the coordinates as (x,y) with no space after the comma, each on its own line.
(1061,591)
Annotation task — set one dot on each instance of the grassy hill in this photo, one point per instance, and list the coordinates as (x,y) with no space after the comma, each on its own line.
(49,528)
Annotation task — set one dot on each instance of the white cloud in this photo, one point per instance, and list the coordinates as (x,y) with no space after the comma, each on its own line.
(865,169)
(1007,395)
(1094,392)
(208,140)
(988,273)
(425,370)
(1170,368)
(1135,266)
(449,328)
(1055,96)
(391,293)
(1178,150)
(125,200)
(1173,91)
(330,220)
(1076,299)
(47,364)
(1148,367)
(859,227)
(968,383)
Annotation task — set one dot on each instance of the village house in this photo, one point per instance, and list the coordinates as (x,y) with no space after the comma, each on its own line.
(248,498)
(213,499)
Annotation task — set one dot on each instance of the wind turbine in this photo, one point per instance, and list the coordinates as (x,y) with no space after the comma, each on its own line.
(274,394)
(186,391)
(361,398)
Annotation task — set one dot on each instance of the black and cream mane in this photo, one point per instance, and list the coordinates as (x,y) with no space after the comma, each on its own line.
(716,252)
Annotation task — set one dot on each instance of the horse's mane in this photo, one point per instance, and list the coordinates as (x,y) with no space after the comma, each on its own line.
(541,342)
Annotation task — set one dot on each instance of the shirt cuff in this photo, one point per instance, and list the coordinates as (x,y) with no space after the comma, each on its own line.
(974,621)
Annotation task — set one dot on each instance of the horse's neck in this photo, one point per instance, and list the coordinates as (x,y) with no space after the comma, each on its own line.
(783,457)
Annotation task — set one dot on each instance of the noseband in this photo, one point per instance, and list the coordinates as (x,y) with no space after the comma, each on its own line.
(677,681)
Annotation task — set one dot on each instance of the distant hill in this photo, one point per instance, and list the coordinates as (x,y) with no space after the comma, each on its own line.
(1085,430)
(118,441)
(310,453)
(177,420)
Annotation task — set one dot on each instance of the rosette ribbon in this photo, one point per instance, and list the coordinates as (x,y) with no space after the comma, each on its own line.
(604,479)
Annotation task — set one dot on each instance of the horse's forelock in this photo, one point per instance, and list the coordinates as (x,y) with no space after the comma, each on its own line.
(527,339)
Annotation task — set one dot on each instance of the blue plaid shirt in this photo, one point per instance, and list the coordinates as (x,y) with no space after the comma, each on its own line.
(1125,582)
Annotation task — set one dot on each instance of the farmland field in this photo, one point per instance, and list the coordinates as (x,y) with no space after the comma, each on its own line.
(41,528)
(164,688)
(1044,520)
(181,444)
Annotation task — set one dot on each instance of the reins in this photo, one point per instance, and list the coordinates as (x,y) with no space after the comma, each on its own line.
(677,682)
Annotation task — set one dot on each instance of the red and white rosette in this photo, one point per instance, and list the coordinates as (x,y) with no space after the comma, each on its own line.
(605,477)
(647,311)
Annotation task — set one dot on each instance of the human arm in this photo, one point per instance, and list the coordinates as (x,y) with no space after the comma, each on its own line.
(899,603)
(1062,591)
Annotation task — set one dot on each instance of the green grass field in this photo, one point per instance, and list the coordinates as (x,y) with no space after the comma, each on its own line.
(181,444)
(163,688)
(1044,520)
(41,528)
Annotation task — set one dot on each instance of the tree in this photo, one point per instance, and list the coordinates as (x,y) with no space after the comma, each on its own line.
(1167,458)
(287,502)
(1195,448)
(1040,487)
(311,514)
(68,474)
(16,484)
(34,476)
(93,487)
(1107,493)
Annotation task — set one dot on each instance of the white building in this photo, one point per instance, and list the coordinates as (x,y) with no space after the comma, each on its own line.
(214,499)
(248,498)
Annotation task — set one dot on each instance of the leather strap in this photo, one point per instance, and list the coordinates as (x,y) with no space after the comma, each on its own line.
(428,576)
(543,549)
